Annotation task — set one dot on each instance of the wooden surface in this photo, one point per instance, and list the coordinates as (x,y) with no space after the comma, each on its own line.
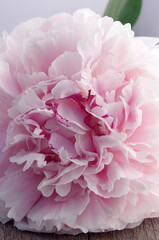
(148,230)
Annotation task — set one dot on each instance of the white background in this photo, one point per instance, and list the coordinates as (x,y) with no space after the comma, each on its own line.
(12,12)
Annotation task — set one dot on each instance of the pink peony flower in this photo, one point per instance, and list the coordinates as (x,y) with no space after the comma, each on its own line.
(79,125)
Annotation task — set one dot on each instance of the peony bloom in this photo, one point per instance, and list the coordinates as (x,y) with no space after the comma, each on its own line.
(79,125)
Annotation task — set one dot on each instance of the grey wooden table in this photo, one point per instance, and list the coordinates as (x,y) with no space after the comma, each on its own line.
(148,230)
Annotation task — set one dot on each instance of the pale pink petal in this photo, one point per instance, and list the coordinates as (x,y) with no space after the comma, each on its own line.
(28,159)
(17,183)
(67,64)
(57,142)
(65,89)
(72,116)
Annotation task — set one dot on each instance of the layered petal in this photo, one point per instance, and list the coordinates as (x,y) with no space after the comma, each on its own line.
(79,125)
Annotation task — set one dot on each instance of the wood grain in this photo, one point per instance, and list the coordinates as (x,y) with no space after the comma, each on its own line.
(148,230)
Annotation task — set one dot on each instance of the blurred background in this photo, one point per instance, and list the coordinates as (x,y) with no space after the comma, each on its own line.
(12,12)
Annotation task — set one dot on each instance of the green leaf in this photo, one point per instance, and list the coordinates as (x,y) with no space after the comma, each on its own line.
(125,11)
